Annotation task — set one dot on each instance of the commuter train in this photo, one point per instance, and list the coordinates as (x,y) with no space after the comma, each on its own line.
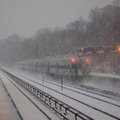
(66,66)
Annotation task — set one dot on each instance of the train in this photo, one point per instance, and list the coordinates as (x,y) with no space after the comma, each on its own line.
(62,66)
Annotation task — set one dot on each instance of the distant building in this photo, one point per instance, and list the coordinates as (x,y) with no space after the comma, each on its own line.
(116,3)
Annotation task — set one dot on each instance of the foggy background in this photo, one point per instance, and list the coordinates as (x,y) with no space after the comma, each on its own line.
(33,29)
(25,17)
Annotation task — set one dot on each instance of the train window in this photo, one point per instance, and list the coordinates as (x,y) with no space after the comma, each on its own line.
(80,60)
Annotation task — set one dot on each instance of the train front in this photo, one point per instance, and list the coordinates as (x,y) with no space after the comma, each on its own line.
(80,66)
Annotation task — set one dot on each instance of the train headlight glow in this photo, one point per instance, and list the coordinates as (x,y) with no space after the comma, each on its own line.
(87,60)
(73,60)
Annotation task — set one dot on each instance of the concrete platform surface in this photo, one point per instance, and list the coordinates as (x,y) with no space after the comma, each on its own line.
(5,108)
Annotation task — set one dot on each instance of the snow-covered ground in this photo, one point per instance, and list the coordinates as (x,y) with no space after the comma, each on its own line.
(26,108)
(93,105)
(108,75)
(104,81)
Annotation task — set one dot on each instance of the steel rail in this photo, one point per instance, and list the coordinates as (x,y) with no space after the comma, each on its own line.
(109,94)
(71,90)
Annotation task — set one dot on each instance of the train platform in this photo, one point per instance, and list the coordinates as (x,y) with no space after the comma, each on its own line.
(27,107)
(6,112)
(105,75)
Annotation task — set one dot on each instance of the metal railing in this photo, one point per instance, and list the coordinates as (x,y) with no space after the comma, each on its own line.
(62,109)
(106,92)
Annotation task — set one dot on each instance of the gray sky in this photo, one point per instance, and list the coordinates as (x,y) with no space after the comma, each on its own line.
(25,17)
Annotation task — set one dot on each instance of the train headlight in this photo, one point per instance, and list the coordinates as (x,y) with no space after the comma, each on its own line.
(87,60)
(73,60)
(118,48)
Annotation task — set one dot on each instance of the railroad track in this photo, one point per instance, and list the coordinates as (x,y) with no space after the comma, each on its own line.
(57,105)
(65,87)
(93,90)
(29,99)
(117,97)
(62,109)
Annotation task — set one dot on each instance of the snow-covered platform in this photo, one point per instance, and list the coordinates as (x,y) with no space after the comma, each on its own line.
(23,101)
(103,107)
(6,112)
(105,75)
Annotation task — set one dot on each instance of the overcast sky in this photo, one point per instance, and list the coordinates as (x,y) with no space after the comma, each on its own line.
(25,17)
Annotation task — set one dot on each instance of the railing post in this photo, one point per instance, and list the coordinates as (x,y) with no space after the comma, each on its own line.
(43,80)
(61,83)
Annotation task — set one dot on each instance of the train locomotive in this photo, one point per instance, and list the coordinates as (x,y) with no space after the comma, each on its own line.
(65,66)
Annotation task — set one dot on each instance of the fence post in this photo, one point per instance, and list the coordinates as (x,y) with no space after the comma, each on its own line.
(43,80)
(62,83)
